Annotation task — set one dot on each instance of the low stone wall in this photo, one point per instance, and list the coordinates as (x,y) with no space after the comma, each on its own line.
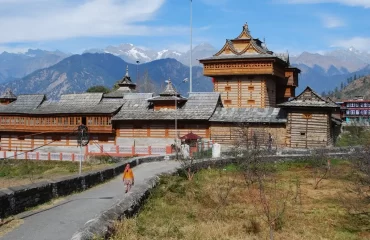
(14,200)
(102,225)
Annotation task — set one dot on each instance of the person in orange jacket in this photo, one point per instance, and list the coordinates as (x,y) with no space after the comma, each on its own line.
(128,177)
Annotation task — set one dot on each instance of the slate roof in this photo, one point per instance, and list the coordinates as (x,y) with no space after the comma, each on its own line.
(126,81)
(84,103)
(8,94)
(200,106)
(249,115)
(309,98)
(117,93)
(24,104)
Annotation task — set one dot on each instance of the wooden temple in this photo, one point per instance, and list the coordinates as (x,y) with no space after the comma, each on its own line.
(249,75)
(254,93)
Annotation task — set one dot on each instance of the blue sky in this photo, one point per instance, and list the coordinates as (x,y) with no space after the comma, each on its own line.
(287,25)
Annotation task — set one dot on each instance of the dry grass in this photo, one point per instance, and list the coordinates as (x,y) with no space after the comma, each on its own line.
(179,209)
(22,172)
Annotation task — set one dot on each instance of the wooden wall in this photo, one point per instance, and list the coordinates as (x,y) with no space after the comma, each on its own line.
(161,129)
(230,133)
(308,129)
(54,124)
(246,91)
(27,141)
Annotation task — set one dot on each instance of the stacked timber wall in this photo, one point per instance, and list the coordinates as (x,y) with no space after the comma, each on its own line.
(161,129)
(230,133)
(308,129)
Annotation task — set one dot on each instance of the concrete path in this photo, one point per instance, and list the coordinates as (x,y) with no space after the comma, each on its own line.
(62,221)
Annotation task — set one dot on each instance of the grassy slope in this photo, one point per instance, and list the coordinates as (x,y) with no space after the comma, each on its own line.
(180,209)
(21,172)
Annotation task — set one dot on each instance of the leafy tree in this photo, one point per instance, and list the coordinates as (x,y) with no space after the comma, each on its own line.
(98,89)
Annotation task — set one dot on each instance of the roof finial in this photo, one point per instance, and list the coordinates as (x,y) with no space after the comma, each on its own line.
(127,71)
(288,60)
(245,27)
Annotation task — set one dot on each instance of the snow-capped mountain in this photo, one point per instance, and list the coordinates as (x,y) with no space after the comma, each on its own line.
(131,53)
(345,60)
(352,55)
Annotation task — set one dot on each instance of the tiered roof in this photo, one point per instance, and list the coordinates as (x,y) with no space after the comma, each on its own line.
(125,86)
(8,95)
(245,46)
(169,94)
(309,98)
(199,106)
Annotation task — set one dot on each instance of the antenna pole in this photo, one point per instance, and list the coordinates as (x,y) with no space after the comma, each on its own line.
(191,47)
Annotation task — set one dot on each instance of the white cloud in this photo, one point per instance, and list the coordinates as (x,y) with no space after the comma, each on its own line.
(353,3)
(361,43)
(13,49)
(62,19)
(330,21)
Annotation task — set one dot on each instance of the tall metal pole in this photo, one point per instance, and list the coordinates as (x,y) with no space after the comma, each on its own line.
(191,46)
(137,72)
(177,154)
(80,170)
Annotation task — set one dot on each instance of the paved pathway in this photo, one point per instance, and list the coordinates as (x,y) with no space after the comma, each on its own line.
(62,221)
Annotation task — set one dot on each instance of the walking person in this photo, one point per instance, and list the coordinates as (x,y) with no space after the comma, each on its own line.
(128,177)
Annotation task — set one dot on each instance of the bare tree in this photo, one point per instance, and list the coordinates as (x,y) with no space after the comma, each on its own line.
(357,197)
(267,194)
(320,164)
(145,84)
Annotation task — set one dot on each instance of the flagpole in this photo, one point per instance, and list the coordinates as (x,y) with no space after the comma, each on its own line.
(191,47)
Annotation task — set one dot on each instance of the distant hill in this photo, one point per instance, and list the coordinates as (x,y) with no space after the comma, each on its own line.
(18,65)
(357,86)
(77,73)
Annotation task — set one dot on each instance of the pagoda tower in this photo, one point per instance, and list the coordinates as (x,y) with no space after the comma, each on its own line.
(249,75)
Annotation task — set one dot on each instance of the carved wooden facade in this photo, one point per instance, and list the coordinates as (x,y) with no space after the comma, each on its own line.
(249,75)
